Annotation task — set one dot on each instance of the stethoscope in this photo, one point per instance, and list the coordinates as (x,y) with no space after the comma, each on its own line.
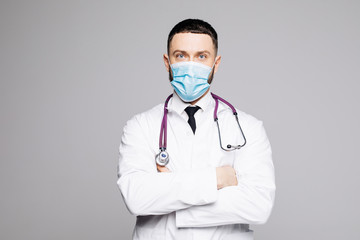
(163,157)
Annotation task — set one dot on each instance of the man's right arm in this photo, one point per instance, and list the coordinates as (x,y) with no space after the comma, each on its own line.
(149,192)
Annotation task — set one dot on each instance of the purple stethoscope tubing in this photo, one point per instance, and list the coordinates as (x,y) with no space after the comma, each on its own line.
(163,129)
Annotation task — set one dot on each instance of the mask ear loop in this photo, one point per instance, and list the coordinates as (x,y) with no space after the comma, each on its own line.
(212,68)
(171,70)
(213,64)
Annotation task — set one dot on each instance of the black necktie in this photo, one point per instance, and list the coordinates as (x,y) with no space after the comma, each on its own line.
(190,112)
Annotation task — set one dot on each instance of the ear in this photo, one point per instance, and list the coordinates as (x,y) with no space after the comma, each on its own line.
(166,62)
(217,63)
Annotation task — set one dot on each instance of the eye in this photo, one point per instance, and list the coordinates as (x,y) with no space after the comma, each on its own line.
(202,56)
(180,55)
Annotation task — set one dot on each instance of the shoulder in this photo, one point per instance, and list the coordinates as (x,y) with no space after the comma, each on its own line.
(250,124)
(244,117)
(145,119)
(248,119)
(139,131)
(154,112)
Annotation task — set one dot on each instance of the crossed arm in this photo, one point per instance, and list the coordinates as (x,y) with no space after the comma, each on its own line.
(195,195)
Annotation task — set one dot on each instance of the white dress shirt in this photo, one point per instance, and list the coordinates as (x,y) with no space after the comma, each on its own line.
(185,203)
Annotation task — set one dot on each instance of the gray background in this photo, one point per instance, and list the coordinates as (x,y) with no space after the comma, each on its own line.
(73,72)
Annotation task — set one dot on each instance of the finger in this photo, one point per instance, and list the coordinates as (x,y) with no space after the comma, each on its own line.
(162,169)
(165,169)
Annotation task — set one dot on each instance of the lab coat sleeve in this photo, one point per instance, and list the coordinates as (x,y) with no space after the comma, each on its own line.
(251,201)
(146,191)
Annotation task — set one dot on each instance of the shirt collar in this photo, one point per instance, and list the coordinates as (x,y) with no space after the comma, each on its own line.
(177,105)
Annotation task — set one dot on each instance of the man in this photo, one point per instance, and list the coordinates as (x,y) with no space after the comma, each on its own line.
(198,187)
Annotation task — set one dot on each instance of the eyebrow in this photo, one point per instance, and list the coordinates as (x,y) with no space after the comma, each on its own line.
(198,52)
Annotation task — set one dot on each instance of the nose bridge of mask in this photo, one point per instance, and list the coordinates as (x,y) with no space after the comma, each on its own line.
(191,69)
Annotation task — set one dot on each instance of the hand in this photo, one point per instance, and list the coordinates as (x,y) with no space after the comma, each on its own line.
(162,169)
(226,176)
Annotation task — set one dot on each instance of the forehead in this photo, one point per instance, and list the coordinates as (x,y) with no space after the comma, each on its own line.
(192,42)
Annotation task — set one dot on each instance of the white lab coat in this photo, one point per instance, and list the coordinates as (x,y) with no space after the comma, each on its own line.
(185,203)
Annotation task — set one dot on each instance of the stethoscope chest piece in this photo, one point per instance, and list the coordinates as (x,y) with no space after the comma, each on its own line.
(162,158)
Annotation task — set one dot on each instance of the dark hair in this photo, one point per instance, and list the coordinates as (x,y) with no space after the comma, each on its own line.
(193,26)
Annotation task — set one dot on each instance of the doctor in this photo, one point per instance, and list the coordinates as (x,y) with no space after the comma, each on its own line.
(184,175)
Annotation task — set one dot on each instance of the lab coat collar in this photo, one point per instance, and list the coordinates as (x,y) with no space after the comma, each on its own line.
(177,105)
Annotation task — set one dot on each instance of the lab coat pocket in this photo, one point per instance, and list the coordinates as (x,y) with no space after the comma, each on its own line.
(240,236)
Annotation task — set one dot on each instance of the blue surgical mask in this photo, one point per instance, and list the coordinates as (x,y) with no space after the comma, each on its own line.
(190,79)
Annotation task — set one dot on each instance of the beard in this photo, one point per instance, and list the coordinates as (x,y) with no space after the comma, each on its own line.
(209,79)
